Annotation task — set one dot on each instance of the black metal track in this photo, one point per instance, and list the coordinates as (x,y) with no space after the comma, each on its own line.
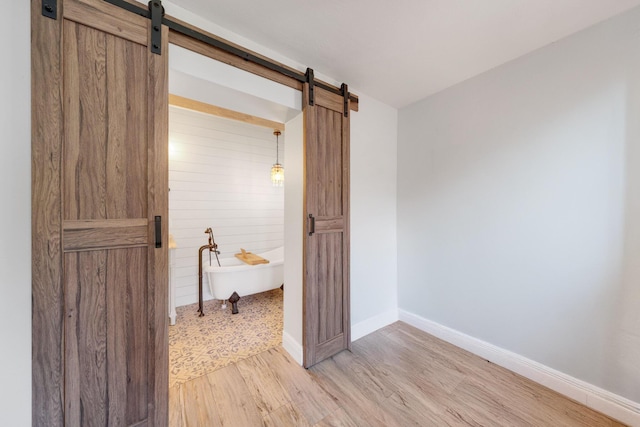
(138,10)
(247,56)
(232,50)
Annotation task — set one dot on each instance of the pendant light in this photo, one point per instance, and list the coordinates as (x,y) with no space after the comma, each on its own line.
(277,171)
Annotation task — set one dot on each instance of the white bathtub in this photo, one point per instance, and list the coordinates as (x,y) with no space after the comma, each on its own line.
(236,276)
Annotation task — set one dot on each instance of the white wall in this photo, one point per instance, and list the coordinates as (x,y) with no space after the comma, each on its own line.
(220,177)
(374,292)
(519,206)
(293,235)
(15,217)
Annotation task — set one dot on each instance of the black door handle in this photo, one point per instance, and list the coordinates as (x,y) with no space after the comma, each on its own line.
(312,225)
(158,227)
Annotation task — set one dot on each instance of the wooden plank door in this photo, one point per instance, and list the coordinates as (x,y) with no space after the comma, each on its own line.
(100,183)
(326,279)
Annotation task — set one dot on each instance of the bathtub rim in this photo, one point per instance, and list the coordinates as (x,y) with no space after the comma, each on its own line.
(236,265)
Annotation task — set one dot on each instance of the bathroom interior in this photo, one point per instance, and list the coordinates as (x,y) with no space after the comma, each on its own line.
(226,198)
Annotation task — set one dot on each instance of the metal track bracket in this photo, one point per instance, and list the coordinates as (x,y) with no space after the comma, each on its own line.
(345,94)
(311,82)
(157,12)
(50,8)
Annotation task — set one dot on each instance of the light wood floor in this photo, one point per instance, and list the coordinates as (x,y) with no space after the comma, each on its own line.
(397,376)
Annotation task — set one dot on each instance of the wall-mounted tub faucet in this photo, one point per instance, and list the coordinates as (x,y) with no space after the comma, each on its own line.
(212,244)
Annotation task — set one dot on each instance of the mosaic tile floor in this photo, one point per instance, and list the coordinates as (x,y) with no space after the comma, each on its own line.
(198,345)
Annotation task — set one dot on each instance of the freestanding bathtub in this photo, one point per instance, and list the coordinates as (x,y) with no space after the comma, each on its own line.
(234,275)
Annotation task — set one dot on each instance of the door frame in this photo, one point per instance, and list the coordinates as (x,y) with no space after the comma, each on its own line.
(216,48)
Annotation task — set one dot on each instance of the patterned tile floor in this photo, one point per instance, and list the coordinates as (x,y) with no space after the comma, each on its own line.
(198,345)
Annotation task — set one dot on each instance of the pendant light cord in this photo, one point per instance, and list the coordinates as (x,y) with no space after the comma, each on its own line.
(277,134)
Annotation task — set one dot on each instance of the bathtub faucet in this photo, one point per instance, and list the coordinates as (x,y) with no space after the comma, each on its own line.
(209,231)
(213,247)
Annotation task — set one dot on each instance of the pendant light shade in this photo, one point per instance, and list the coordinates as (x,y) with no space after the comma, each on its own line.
(277,171)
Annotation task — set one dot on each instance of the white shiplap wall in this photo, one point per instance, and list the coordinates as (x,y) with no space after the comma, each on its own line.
(219,176)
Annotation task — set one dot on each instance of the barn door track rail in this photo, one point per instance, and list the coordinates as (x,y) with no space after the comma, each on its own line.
(156,13)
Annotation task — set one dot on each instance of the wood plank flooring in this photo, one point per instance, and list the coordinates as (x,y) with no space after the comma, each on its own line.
(397,376)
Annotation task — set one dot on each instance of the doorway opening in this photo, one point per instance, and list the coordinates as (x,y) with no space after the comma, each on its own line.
(221,150)
(100,271)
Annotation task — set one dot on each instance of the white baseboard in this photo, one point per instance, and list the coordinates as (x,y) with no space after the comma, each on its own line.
(358,330)
(374,323)
(293,347)
(601,400)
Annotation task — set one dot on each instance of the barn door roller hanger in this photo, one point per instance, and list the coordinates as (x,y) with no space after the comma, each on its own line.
(155,13)
(50,8)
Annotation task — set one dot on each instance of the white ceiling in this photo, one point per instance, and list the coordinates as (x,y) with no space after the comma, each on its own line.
(404,50)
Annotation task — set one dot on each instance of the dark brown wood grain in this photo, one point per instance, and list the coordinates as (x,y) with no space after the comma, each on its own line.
(329,223)
(86,326)
(106,185)
(329,101)
(158,191)
(100,234)
(46,272)
(103,16)
(106,314)
(326,282)
(120,293)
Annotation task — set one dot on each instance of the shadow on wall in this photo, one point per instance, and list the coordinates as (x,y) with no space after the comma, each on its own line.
(623,369)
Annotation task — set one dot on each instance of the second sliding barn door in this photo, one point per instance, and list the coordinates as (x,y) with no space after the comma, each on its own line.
(326,243)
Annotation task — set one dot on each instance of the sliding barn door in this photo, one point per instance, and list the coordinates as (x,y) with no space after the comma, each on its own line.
(326,281)
(99,218)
